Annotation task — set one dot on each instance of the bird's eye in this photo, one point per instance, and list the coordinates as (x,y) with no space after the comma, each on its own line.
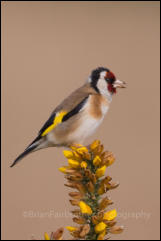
(110,81)
(110,77)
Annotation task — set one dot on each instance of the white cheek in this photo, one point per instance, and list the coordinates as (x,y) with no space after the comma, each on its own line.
(103,74)
(102,85)
(103,88)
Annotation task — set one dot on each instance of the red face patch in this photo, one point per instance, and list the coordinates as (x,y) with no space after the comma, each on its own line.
(111,89)
(110,79)
(110,75)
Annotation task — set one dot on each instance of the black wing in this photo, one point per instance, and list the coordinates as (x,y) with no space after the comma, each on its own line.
(75,110)
(71,113)
(48,123)
(45,126)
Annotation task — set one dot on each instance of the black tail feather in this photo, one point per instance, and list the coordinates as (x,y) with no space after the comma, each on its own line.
(34,141)
(22,155)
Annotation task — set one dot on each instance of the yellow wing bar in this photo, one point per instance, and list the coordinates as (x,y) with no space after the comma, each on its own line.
(57,120)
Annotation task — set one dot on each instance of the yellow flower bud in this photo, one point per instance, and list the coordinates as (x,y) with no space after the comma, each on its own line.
(76,146)
(99,228)
(82,150)
(46,236)
(97,161)
(110,215)
(68,154)
(95,144)
(73,163)
(63,169)
(71,229)
(83,164)
(100,171)
(85,209)
(76,156)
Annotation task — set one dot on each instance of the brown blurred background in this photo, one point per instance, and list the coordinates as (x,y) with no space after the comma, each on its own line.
(48,50)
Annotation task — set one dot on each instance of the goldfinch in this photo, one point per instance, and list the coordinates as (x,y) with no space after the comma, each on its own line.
(79,115)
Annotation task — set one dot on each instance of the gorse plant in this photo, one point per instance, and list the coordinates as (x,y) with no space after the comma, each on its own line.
(85,173)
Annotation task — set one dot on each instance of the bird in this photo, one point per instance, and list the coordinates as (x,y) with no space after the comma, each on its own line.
(79,115)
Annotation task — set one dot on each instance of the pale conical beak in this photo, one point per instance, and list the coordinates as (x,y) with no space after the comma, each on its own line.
(119,84)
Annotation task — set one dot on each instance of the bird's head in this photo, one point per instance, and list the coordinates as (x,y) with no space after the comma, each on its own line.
(104,81)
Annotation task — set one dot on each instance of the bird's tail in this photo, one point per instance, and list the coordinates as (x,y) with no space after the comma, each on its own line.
(32,147)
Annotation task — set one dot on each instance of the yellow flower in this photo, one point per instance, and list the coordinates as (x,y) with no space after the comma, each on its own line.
(85,209)
(100,171)
(97,161)
(110,215)
(71,229)
(73,163)
(82,150)
(68,154)
(101,235)
(46,236)
(76,156)
(83,164)
(99,228)
(63,169)
(76,146)
(94,145)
